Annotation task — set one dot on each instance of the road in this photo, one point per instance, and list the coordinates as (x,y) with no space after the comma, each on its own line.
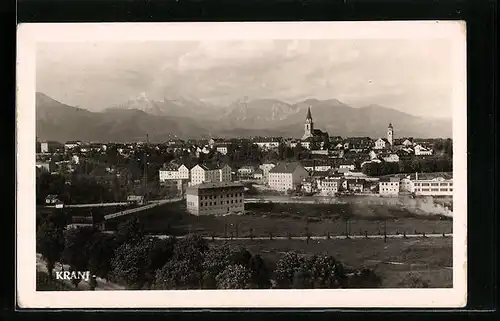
(142,208)
(333,237)
(83,285)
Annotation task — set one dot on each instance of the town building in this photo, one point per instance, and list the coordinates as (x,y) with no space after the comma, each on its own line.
(391,158)
(287,176)
(258,174)
(52,199)
(221,149)
(433,187)
(266,167)
(173,172)
(422,151)
(215,198)
(355,185)
(311,132)
(203,173)
(381,143)
(245,172)
(389,187)
(329,186)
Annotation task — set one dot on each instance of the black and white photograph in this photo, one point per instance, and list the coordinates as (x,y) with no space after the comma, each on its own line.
(241,165)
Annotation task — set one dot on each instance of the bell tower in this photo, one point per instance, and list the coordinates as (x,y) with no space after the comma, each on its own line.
(390,134)
(309,125)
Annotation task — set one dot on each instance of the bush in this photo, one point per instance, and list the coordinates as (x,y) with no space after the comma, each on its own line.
(234,276)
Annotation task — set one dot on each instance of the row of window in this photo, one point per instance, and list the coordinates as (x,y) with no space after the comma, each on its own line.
(434,189)
(221,203)
(434,184)
(208,197)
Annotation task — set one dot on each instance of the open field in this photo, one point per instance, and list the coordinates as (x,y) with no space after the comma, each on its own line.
(294,220)
(430,259)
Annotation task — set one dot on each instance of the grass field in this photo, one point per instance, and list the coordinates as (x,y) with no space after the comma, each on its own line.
(294,220)
(395,261)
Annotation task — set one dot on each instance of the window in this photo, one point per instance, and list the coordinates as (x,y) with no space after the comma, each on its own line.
(434,189)
(425,189)
(444,190)
(434,184)
(425,184)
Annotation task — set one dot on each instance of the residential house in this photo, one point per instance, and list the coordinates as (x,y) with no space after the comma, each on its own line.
(173,171)
(72,144)
(258,174)
(389,186)
(221,149)
(215,198)
(246,172)
(381,143)
(329,186)
(203,173)
(355,185)
(422,151)
(52,199)
(135,199)
(391,158)
(50,146)
(287,176)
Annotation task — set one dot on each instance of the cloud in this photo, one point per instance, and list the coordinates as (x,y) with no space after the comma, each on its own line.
(410,75)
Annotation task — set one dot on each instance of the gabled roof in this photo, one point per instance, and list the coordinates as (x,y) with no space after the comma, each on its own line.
(285,168)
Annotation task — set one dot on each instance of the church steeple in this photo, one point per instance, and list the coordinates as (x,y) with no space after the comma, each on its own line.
(309,125)
(308,113)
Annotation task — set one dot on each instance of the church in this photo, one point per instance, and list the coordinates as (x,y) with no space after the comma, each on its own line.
(311,134)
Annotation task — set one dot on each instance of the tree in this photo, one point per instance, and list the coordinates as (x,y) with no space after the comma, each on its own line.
(413,280)
(234,276)
(76,251)
(177,274)
(130,262)
(101,252)
(215,260)
(259,273)
(50,244)
(130,231)
(286,268)
(159,254)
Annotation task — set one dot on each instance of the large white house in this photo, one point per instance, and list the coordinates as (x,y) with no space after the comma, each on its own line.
(381,143)
(329,186)
(287,176)
(422,151)
(215,198)
(173,172)
(389,187)
(203,173)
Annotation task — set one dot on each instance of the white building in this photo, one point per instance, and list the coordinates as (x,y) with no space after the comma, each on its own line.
(266,145)
(221,149)
(329,186)
(348,166)
(246,171)
(318,168)
(258,174)
(287,176)
(390,134)
(203,173)
(381,143)
(173,172)
(422,151)
(407,143)
(266,167)
(433,187)
(389,187)
(215,198)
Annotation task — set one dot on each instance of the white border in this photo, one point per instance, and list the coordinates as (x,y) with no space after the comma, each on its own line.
(30,34)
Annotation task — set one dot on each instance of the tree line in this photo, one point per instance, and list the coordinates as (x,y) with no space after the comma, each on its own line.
(131,258)
(422,165)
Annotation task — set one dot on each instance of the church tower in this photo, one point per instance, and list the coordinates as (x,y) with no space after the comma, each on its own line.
(390,134)
(309,125)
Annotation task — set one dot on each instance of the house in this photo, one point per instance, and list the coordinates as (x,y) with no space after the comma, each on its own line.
(221,149)
(287,176)
(52,199)
(381,143)
(422,151)
(215,198)
(357,143)
(267,143)
(246,172)
(329,186)
(173,171)
(203,173)
(72,144)
(407,142)
(258,174)
(389,186)
(355,185)
(135,199)
(347,165)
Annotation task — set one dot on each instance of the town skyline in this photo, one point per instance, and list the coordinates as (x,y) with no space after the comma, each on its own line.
(408,75)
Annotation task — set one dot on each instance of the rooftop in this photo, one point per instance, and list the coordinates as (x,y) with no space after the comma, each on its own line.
(285,168)
(210,185)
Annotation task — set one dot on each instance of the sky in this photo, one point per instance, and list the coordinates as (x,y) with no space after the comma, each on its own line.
(409,75)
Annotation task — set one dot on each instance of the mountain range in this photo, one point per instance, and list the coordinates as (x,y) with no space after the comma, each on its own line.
(192,118)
